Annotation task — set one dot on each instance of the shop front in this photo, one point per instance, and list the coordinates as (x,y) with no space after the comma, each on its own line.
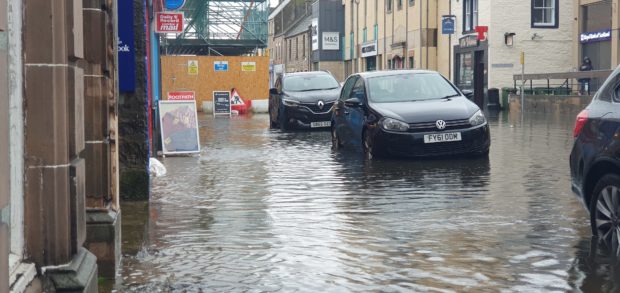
(471,59)
(595,34)
(369,54)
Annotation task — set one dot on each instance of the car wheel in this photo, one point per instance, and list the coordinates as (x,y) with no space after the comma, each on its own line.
(272,124)
(336,143)
(605,212)
(282,121)
(367,145)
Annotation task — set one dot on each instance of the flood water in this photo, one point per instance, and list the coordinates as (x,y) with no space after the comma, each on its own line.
(261,211)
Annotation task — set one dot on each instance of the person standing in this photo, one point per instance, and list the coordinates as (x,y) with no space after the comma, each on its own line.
(584,83)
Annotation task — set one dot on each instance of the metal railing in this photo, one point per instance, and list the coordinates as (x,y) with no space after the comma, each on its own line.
(562,83)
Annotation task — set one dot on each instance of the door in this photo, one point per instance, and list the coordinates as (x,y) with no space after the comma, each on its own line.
(340,117)
(354,115)
(371,63)
(479,79)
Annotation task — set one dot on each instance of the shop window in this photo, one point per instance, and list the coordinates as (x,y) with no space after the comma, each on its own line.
(545,13)
(389,6)
(470,15)
(411,62)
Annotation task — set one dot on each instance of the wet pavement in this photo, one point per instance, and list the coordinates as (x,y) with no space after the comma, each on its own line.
(261,210)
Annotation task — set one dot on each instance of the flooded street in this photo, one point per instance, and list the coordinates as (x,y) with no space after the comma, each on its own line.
(261,210)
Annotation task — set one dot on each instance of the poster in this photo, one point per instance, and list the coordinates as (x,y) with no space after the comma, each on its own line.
(169,22)
(221,103)
(248,66)
(179,127)
(315,34)
(220,65)
(192,67)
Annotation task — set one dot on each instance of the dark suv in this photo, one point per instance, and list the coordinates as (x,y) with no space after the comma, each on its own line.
(303,100)
(595,161)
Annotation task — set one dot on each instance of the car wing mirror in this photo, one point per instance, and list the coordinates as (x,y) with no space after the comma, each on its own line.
(352,102)
(273,91)
(468,94)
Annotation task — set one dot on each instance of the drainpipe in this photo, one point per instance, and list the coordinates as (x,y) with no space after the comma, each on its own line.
(426,32)
(147,30)
(155,80)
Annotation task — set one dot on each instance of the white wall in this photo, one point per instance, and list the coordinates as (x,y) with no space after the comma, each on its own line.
(551,53)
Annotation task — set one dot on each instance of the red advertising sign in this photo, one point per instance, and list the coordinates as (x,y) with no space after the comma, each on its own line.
(181,96)
(169,22)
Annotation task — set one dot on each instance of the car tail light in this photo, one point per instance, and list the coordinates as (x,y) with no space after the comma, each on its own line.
(582,118)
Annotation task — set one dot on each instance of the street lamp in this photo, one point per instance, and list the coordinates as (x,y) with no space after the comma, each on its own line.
(509,39)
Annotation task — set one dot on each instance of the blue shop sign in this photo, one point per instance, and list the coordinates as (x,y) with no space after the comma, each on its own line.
(591,37)
(126,50)
(173,4)
(447,25)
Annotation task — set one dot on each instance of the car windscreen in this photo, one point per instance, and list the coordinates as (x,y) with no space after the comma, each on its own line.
(409,87)
(304,83)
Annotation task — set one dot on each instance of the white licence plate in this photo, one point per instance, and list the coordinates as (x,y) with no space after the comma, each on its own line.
(442,137)
(321,124)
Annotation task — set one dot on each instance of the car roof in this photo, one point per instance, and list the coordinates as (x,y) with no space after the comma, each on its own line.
(392,72)
(306,73)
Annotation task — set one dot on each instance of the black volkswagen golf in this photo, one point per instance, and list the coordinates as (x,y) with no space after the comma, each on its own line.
(595,162)
(409,113)
(303,100)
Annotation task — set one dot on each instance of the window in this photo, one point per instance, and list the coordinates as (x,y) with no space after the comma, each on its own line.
(290,50)
(399,4)
(364,35)
(389,6)
(376,32)
(346,90)
(545,13)
(303,46)
(470,15)
(359,90)
(297,48)
(411,2)
(411,63)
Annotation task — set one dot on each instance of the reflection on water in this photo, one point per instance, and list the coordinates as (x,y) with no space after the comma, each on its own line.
(262,210)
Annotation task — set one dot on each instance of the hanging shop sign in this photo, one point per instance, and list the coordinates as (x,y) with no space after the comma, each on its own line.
(179,127)
(331,41)
(315,34)
(468,41)
(220,65)
(368,50)
(591,37)
(169,22)
(182,96)
(126,52)
(221,103)
(248,66)
(173,4)
(448,24)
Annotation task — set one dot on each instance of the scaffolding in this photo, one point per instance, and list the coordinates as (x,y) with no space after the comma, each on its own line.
(221,27)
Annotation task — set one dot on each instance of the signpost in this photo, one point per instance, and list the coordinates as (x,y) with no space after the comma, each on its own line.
(221,103)
(220,65)
(169,22)
(448,27)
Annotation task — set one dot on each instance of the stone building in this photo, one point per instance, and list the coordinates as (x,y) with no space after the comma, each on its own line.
(296,44)
(59,209)
(595,27)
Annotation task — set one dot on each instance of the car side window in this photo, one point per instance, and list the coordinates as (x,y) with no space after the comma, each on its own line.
(359,90)
(617,94)
(346,89)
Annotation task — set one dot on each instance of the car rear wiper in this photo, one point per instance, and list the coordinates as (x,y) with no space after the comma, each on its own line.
(450,96)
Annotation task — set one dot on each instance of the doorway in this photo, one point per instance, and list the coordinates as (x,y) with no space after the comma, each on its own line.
(479,79)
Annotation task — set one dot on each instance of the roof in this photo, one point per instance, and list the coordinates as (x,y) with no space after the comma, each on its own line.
(302,26)
(392,72)
(306,73)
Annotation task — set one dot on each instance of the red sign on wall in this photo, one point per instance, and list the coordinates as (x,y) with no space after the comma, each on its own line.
(169,22)
(181,96)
